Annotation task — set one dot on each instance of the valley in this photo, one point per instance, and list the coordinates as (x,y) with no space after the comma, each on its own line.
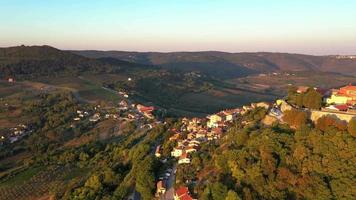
(75,127)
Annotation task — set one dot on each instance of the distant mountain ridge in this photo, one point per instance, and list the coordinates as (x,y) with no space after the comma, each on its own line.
(32,61)
(46,60)
(234,64)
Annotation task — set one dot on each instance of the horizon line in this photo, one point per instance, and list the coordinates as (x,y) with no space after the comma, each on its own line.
(180,51)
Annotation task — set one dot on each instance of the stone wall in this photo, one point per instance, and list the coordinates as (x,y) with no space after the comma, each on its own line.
(316,114)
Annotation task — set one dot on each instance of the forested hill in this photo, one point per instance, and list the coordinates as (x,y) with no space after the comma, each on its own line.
(234,64)
(33,61)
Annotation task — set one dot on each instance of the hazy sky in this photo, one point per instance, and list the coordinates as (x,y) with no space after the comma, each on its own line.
(302,26)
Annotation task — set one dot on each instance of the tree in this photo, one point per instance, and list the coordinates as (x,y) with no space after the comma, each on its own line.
(232,195)
(218,191)
(312,99)
(300,119)
(326,122)
(145,180)
(295,118)
(352,127)
(94,183)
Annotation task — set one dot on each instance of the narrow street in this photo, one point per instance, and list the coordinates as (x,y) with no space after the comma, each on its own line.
(169,195)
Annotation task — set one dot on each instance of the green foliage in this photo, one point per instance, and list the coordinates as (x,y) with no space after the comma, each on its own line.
(310,99)
(232,195)
(256,114)
(145,179)
(352,127)
(295,118)
(94,183)
(327,122)
(35,61)
(215,191)
(277,163)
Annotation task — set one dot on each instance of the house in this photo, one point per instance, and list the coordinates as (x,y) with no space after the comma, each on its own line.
(95,117)
(200,134)
(174,137)
(11,80)
(213,120)
(182,193)
(131,116)
(283,105)
(146,110)
(161,188)
(302,89)
(245,109)
(193,143)
(190,136)
(217,133)
(185,121)
(158,151)
(230,114)
(123,103)
(194,124)
(190,149)
(177,152)
(265,105)
(183,143)
(342,108)
(184,158)
(345,95)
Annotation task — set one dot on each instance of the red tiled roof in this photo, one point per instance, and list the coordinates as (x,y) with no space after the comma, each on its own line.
(186,197)
(183,156)
(143,108)
(302,89)
(217,130)
(182,191)
(341,107)
(190,148)
(349,87)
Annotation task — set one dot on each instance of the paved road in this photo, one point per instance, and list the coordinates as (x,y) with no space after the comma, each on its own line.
(134,196)
(169,195)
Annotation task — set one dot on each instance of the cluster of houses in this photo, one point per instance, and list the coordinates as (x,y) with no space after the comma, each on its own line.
(189,137)
(16,133)
(147,111)
(345,57)
(338,103)
(195,131)
(342,99)
(124,111)
(80,115)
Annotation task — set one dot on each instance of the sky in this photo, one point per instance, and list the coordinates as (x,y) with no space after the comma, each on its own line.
(318,27)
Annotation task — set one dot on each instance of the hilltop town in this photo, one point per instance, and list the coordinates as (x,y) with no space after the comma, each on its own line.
(339,104)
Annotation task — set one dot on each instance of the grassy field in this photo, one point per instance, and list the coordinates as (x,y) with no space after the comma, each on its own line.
(35,183)
(88,88)
(281,82)
(21,177)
